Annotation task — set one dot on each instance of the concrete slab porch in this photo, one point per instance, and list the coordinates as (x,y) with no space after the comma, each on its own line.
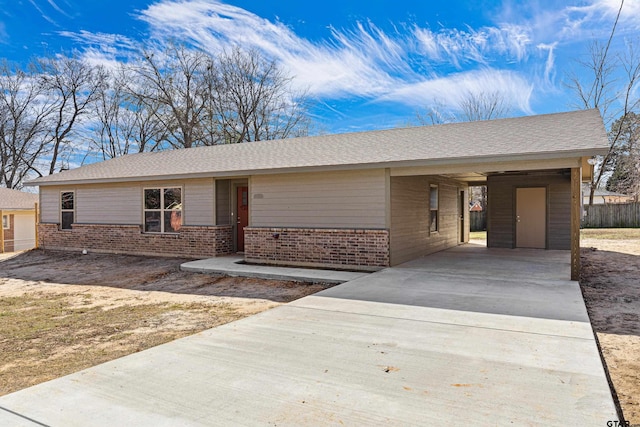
(470,336)
(234,265)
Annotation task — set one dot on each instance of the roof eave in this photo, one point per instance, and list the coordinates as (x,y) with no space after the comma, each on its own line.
(335,167)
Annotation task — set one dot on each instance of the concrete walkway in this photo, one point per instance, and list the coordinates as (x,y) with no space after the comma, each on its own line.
(234,266)
(469,336)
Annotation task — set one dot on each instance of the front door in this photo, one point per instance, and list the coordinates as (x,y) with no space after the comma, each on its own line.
(531,218)
(242,203)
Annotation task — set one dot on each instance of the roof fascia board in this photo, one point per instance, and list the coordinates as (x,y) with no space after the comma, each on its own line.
(444,162)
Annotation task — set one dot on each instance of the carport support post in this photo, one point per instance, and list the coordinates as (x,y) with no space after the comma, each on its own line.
(575,222)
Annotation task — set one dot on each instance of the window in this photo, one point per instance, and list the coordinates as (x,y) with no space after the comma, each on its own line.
(67,209)
(162,210)
(5,221)
(433,207)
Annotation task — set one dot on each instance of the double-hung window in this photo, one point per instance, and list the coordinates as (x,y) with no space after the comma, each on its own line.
(433,207)
(67,209)
(162,210)
(5,221)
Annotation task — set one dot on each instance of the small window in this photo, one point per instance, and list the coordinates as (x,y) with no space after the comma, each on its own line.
(67,209)
(5,221)
(162,210)
(433,207)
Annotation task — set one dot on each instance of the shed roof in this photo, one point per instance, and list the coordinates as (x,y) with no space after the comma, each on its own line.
(578,133)
(599,192)
(17,200)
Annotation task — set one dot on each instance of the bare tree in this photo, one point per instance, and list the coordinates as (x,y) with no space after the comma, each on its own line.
(612,88)
(482,105)
(71,87)
(436,114)
(252,100)
(124,122)
(474,106)
(23,119)
(237,96)
(172,85)
(625,177)
(61,108)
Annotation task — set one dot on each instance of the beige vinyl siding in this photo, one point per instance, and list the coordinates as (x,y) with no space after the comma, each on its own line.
(501,206)
(198,202)
(345,199)
(108,204)
(50,204)
(121,203)
(410,217)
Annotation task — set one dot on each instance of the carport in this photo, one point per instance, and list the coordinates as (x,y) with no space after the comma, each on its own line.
(506,340)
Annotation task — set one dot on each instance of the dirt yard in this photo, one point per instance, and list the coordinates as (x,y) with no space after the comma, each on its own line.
(610,284)
(61,312)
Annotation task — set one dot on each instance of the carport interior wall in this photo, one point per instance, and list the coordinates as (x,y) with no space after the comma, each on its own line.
(501,214)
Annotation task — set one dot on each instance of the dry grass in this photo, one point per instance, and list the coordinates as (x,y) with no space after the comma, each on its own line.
(46,336)
(62,312)
(611,233)
(478,235)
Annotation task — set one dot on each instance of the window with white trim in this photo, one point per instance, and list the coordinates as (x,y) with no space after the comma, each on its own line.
(67,209)
(162,209)
(5,221)
(433,207)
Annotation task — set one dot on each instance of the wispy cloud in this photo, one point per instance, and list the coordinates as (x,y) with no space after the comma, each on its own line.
(49,8)
(4,37)
(550,62)
(455,46)
(57,8)
(42,13)
(114,44)
(412,65)
(364,61)
(455,88)
(587,17)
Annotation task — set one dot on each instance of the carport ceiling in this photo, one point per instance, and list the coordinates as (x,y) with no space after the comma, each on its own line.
(479,178)
(470,177)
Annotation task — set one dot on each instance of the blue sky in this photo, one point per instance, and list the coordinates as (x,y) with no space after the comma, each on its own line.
(366,64)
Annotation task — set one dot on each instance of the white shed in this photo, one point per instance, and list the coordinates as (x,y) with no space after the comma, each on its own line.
(19,217)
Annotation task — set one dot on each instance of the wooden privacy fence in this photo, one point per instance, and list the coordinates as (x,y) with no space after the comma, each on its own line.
(478,220)
(613,215)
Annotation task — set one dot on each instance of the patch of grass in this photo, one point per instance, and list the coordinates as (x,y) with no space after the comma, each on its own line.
(610,233)
(45,336)
(478,235)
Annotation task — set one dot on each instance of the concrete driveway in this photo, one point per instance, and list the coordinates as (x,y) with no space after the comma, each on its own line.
(469,336)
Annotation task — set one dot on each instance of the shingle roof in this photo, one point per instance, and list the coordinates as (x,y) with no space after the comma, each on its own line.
(579,133)
(16,200)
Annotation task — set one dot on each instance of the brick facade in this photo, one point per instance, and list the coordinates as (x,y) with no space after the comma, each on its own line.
(191,241)
(347,248)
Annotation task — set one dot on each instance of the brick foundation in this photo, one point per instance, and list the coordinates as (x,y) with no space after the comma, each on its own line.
(191,241)
(333,248)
